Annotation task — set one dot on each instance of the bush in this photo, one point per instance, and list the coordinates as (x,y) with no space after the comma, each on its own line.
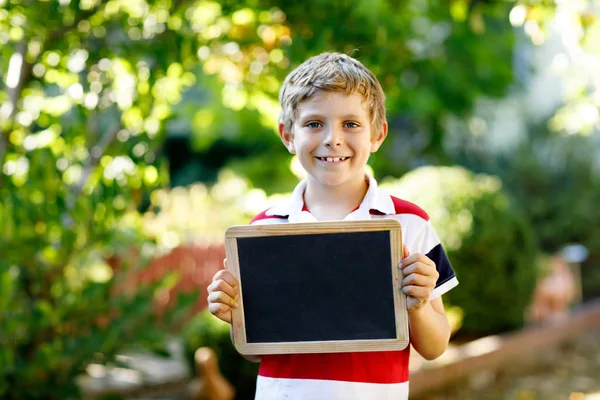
(557,182)
(205,330)
(489,243)
(555,179)
(62,304)
(229,201)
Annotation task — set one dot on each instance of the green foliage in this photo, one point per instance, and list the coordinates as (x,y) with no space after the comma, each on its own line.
(63,305)
(559,185)
(86,92)
(490,244)
(542,20)
(434,58)
(555,179)
(207,331)
(229,201)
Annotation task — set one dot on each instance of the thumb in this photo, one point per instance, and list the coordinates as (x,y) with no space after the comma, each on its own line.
(405,252)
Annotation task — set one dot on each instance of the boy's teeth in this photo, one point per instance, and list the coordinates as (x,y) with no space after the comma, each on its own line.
(333,159)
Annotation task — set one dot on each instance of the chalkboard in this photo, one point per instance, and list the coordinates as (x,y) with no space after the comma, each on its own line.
(318,287)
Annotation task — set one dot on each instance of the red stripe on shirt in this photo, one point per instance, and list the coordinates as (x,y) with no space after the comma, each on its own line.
(371,367)
(406,207)
(263,215)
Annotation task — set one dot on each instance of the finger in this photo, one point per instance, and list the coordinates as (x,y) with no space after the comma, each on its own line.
(218,308)
(420,269)
(414,304)
(221,298)
(417,257)
(405,252)
(220,311)
(226,276)
(422,258)
(418,280)
(418,292)
(410,259)
(222,286)
(405,256)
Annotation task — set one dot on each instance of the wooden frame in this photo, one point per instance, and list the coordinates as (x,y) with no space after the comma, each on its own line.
(401,319)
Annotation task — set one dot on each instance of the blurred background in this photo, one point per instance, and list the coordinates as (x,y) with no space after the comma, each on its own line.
(134,132)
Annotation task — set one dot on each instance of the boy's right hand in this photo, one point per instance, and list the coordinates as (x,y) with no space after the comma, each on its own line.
(222,294)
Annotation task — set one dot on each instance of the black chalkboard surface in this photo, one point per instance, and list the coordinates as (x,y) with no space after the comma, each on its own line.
(318,287)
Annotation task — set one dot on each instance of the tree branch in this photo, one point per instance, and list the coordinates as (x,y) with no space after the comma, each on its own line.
(96,153)
(24,76)
(14,93)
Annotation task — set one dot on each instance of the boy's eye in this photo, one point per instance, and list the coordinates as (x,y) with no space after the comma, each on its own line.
(351,125)
(313,125)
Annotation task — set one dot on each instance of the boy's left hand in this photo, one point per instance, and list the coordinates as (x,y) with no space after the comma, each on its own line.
(419,275)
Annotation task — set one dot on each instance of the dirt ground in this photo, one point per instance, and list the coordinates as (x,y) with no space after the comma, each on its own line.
(569,373)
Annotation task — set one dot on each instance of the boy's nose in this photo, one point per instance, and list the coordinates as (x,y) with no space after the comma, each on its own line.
(333,138)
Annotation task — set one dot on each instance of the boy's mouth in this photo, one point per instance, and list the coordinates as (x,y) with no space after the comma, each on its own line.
(332,159)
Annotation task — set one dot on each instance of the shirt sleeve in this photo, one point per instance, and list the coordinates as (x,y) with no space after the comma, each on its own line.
(427,241)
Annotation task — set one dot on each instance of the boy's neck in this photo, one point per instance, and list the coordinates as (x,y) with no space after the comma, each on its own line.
(328,203)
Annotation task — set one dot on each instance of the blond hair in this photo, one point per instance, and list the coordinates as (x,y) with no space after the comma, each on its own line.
(331,72)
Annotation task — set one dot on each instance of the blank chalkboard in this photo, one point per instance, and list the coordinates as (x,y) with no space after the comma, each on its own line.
(318,287)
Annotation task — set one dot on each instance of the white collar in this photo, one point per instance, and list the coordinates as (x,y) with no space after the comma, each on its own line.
(375,199)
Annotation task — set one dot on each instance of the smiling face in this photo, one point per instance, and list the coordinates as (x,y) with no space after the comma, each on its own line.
(332,138)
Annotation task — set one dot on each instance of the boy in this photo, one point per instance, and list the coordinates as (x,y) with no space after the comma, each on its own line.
(332,118)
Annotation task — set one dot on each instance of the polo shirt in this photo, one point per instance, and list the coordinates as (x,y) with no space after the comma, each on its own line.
(359,375)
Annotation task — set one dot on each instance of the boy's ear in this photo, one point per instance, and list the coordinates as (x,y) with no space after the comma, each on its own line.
(287,139)
(378,140)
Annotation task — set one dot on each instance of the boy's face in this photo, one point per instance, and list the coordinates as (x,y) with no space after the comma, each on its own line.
(332,138)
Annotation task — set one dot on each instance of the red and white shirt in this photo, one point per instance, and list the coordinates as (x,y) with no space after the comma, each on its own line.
(361,375)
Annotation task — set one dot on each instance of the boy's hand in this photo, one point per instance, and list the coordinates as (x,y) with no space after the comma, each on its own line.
(222,293)
(419,277)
